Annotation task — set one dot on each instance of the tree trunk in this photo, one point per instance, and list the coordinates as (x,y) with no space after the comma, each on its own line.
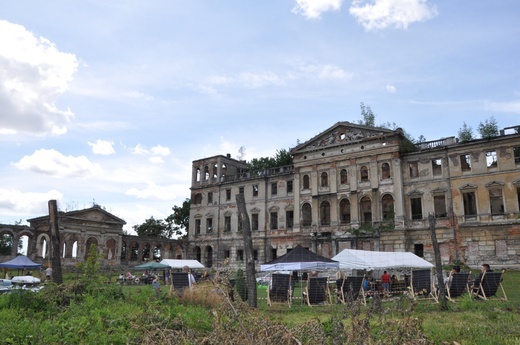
(55,243)
(438,264)
(248,250)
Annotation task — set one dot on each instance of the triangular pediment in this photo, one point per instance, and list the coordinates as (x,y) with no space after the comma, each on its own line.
(495,184)
(343,133)
(94,214)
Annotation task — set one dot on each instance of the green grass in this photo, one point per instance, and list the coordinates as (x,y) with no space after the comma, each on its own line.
(114,314)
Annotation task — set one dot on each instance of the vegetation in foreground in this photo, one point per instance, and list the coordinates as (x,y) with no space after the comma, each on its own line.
(90,311)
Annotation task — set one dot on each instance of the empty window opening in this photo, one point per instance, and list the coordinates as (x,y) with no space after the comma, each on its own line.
(470,203)
(197,226)
(437,167)
(325,213)
(414,169)
(385,171)
(254,221)
(274,220)
(465,162)
(439,205)
(227,223)
(210,198)
(366,209)
(306,182)
(387,202)
(344,206)
(364,173)
(255,190)
(416,208)
(496,201)
(306,214)
(343,176)
(289,217)
(418,250)
(491,159)
(274,188)
(289,186)
(228,194)
(209,225)
(324,179)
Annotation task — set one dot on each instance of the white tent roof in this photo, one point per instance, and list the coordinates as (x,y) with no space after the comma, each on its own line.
(178,263)
(372,260)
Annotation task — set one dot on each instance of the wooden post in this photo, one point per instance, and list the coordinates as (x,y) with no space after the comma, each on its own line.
(438,265)
(55,243)
(248,249)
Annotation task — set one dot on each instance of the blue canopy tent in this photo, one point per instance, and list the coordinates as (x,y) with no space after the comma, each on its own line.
(21,261)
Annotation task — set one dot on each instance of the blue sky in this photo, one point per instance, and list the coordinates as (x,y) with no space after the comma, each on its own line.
(110,101)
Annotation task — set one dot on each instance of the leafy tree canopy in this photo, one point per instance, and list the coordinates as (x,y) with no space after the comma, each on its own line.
(465,133)
(179,221)
(488,129)
(152,228)
(281,158)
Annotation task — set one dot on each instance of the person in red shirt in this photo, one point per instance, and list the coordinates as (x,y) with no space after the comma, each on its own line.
(385,281)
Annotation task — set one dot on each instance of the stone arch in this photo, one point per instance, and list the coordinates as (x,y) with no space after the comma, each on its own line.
(325,213)
(110,249)
(306,214)
(43,245)
(91,241)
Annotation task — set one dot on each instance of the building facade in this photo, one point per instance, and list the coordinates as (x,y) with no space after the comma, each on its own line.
(368,188)
(81,229)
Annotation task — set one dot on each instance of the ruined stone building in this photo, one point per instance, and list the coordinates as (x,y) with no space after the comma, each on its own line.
(368,188)
(92,226)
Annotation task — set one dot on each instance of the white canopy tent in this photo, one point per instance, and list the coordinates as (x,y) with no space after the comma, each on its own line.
(179,263)
(372,260)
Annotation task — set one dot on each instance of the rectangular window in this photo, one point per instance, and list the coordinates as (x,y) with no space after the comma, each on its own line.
(254,221)
(491,159)
(414,169)
(255,190)
(496,201)
(470,204)
(274,254)
(465,162)
(210,198)
(437,167)
(209,225)
(516,153)
(289,186)
(416,208)
(289,216)
(274,188)
(228,194)
(274,220)
(240,255)
(418,249)
(227,254)
(197,226)
(439,204)
(240,190)
(227,223)
(255,255)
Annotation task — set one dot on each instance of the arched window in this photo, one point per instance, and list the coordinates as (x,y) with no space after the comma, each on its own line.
(197,175)
(306,182)
(364,173)
(344,207)
(385,171)
(325,213)
(365,206)
(306,214)
(387,203)
(343,176)
(324,179)
(206,173)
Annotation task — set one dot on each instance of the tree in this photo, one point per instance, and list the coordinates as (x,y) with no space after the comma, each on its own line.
(282,158)
(488,129)
(6,244)
(369,118)
(179,221)
(152,228)
(465,133)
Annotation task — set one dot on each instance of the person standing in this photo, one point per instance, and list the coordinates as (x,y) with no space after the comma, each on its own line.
(385,281)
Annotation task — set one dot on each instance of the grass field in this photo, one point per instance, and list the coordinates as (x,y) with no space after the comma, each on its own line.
(103,312)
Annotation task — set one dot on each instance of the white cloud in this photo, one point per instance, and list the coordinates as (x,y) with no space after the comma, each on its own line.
(326,72)
(160,150)
(53,163)
(102,147)
(33,74)
(504,107)
(382,14)
(391,88)
(154,192)
(312,9)
(139,150)
(256,80)
(14,202)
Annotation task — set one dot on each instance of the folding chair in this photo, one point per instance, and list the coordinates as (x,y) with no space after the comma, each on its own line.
(457,284)
(421,284)
(489,285)
(180,280)
(280,289)
(317,290)
(351,288)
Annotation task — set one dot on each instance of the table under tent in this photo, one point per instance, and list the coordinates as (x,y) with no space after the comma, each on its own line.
(299,260)
(410,272)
